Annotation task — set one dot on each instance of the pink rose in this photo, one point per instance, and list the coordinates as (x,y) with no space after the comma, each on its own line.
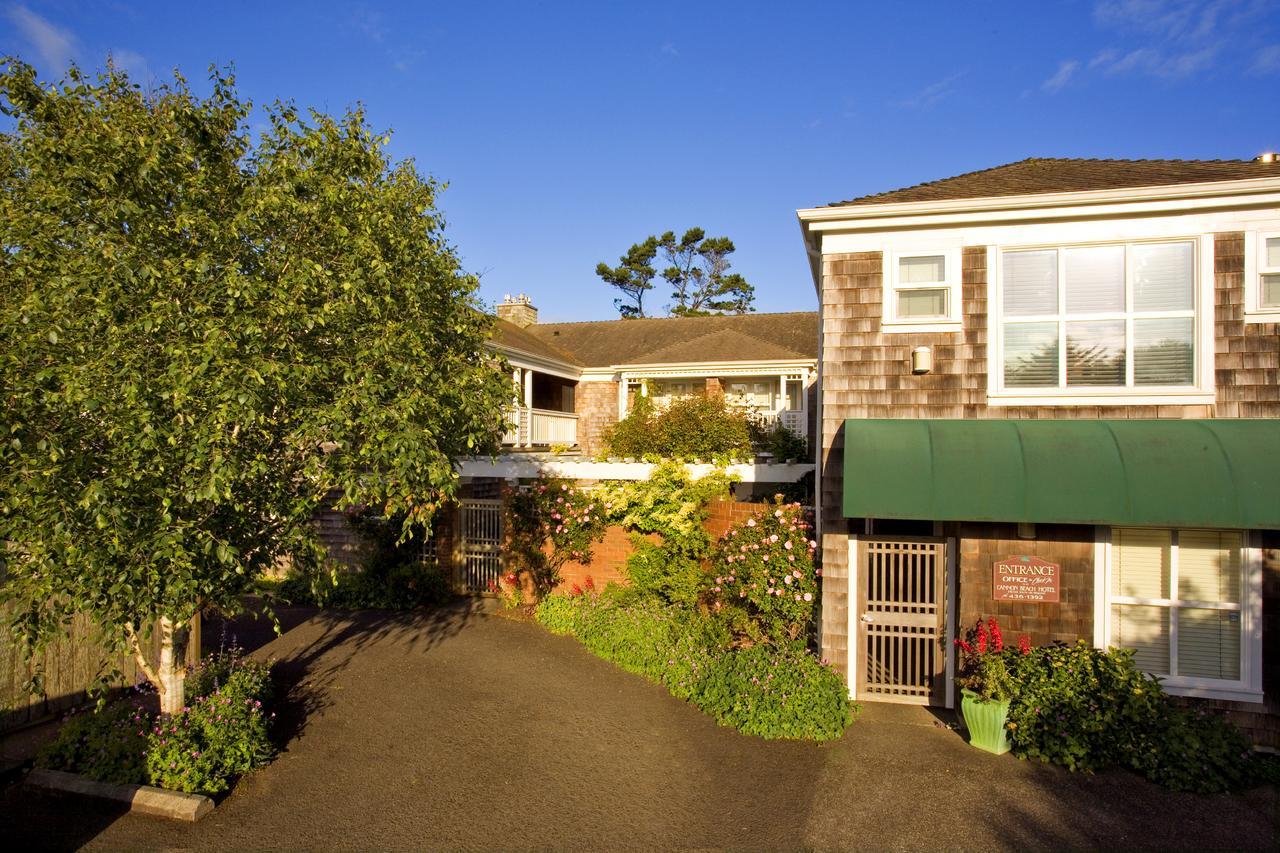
(751,522)
(788,579)
(787,544)
(808,596)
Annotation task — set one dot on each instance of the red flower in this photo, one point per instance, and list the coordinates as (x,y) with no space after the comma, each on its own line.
(575,590)
(962,644)
(1024,644)
(995,634)
(589,584)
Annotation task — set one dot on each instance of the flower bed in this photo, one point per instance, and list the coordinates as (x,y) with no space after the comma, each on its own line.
(221,734)
(772,692)
(1086,709)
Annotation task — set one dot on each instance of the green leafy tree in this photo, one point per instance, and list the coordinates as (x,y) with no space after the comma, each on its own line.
(699,276)
(697,270)
(633,276)
(200,338)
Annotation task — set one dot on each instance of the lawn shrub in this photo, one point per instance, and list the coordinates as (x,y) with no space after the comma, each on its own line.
(220,734)
(698,427)
(208,744)
(106,744)
(664,572)
(763,691)
(381,586)
(777,693)
(765,583)
(1087,708)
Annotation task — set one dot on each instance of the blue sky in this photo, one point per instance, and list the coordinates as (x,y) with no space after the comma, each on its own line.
(568,131)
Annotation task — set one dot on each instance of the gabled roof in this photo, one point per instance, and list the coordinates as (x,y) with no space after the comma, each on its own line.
(1055,175)
(678,340)
(509,336)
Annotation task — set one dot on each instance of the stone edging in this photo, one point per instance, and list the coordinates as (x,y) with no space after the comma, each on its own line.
(143,799)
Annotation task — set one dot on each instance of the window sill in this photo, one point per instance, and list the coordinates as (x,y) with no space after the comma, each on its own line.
(1128,398)
(898,327)
(1228,694)
(1263,316)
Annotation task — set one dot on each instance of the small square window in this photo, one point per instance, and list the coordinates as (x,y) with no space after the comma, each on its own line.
(922,291)
(1262,278)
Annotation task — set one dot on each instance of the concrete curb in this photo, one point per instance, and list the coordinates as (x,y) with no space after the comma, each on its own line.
(143,799)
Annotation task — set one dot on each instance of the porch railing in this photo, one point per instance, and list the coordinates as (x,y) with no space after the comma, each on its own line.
(792,419)
(540,428)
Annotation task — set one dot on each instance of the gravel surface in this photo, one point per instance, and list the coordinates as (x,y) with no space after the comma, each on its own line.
(461,730)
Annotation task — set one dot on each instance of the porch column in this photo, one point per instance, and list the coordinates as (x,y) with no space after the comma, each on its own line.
(528,403)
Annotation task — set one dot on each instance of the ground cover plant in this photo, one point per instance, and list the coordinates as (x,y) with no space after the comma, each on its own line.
(738,649)
(220,733)
(1086,709)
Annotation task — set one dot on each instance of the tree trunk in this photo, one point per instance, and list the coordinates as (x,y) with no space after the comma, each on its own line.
(172,670)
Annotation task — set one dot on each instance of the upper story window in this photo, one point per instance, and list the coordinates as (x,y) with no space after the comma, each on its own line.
(1099,324)
(1262,278)
(922,291)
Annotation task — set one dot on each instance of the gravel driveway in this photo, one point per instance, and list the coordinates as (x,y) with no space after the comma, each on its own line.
(462,729)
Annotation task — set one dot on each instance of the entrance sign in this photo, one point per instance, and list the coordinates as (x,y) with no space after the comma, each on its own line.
(1028,579)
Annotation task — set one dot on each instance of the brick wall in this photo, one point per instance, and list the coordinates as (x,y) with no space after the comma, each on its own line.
(597,406)
(866,374)
(610,556)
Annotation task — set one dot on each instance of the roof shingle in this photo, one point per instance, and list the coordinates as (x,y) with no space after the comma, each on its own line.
(1055,175)
(676,340)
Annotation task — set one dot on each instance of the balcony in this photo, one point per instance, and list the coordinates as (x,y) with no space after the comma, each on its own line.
(540,428)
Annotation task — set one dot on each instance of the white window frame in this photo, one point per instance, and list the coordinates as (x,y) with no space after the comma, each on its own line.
(952,277)
(1255,267)
(1200,393)
(1249,687)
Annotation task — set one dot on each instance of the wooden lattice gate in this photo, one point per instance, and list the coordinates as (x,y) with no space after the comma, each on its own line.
(902,619)
(480,545)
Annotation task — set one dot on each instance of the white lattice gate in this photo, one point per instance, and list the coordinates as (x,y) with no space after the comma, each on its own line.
(902,621)
(480,544)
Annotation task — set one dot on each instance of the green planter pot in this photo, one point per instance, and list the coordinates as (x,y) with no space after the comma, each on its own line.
(985,721)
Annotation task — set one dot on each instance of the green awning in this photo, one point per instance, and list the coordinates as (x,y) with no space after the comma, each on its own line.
(1202,473)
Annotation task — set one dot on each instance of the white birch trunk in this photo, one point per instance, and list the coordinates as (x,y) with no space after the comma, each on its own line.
(172,671)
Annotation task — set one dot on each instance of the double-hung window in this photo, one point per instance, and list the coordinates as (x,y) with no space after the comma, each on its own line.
(922,291)
(1184,601)
(1100,323)
(1262,277)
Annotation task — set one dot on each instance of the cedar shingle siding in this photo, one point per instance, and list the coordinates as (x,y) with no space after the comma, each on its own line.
(866,374)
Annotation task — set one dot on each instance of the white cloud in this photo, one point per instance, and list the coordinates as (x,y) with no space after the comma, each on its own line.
(1066,70)
(932,94)
(132,63)
(56,46)
(1155,62)
(1267,61)
(669,49)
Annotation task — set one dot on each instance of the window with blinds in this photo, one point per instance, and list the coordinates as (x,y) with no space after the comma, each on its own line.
(1176,599)
(1269,277)
(1109,316)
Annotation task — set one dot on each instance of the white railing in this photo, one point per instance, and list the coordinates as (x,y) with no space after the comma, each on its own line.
(540,428)
(792,419)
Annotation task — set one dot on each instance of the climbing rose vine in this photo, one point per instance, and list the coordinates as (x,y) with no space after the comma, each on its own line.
(553,522)
(765,582)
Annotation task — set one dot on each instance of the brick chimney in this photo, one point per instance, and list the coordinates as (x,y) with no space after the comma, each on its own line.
(518,310)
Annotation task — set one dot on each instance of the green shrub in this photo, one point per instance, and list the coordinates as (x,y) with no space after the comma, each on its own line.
(765,584)
(664,573)
(1087,708)
(769,692)
(379,586)
(204,747)
(776,693)
(698,427)
(220,735)
(1081,707)
(107,744)
(778,441)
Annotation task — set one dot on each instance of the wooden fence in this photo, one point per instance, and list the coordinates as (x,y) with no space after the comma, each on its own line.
(69,666)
